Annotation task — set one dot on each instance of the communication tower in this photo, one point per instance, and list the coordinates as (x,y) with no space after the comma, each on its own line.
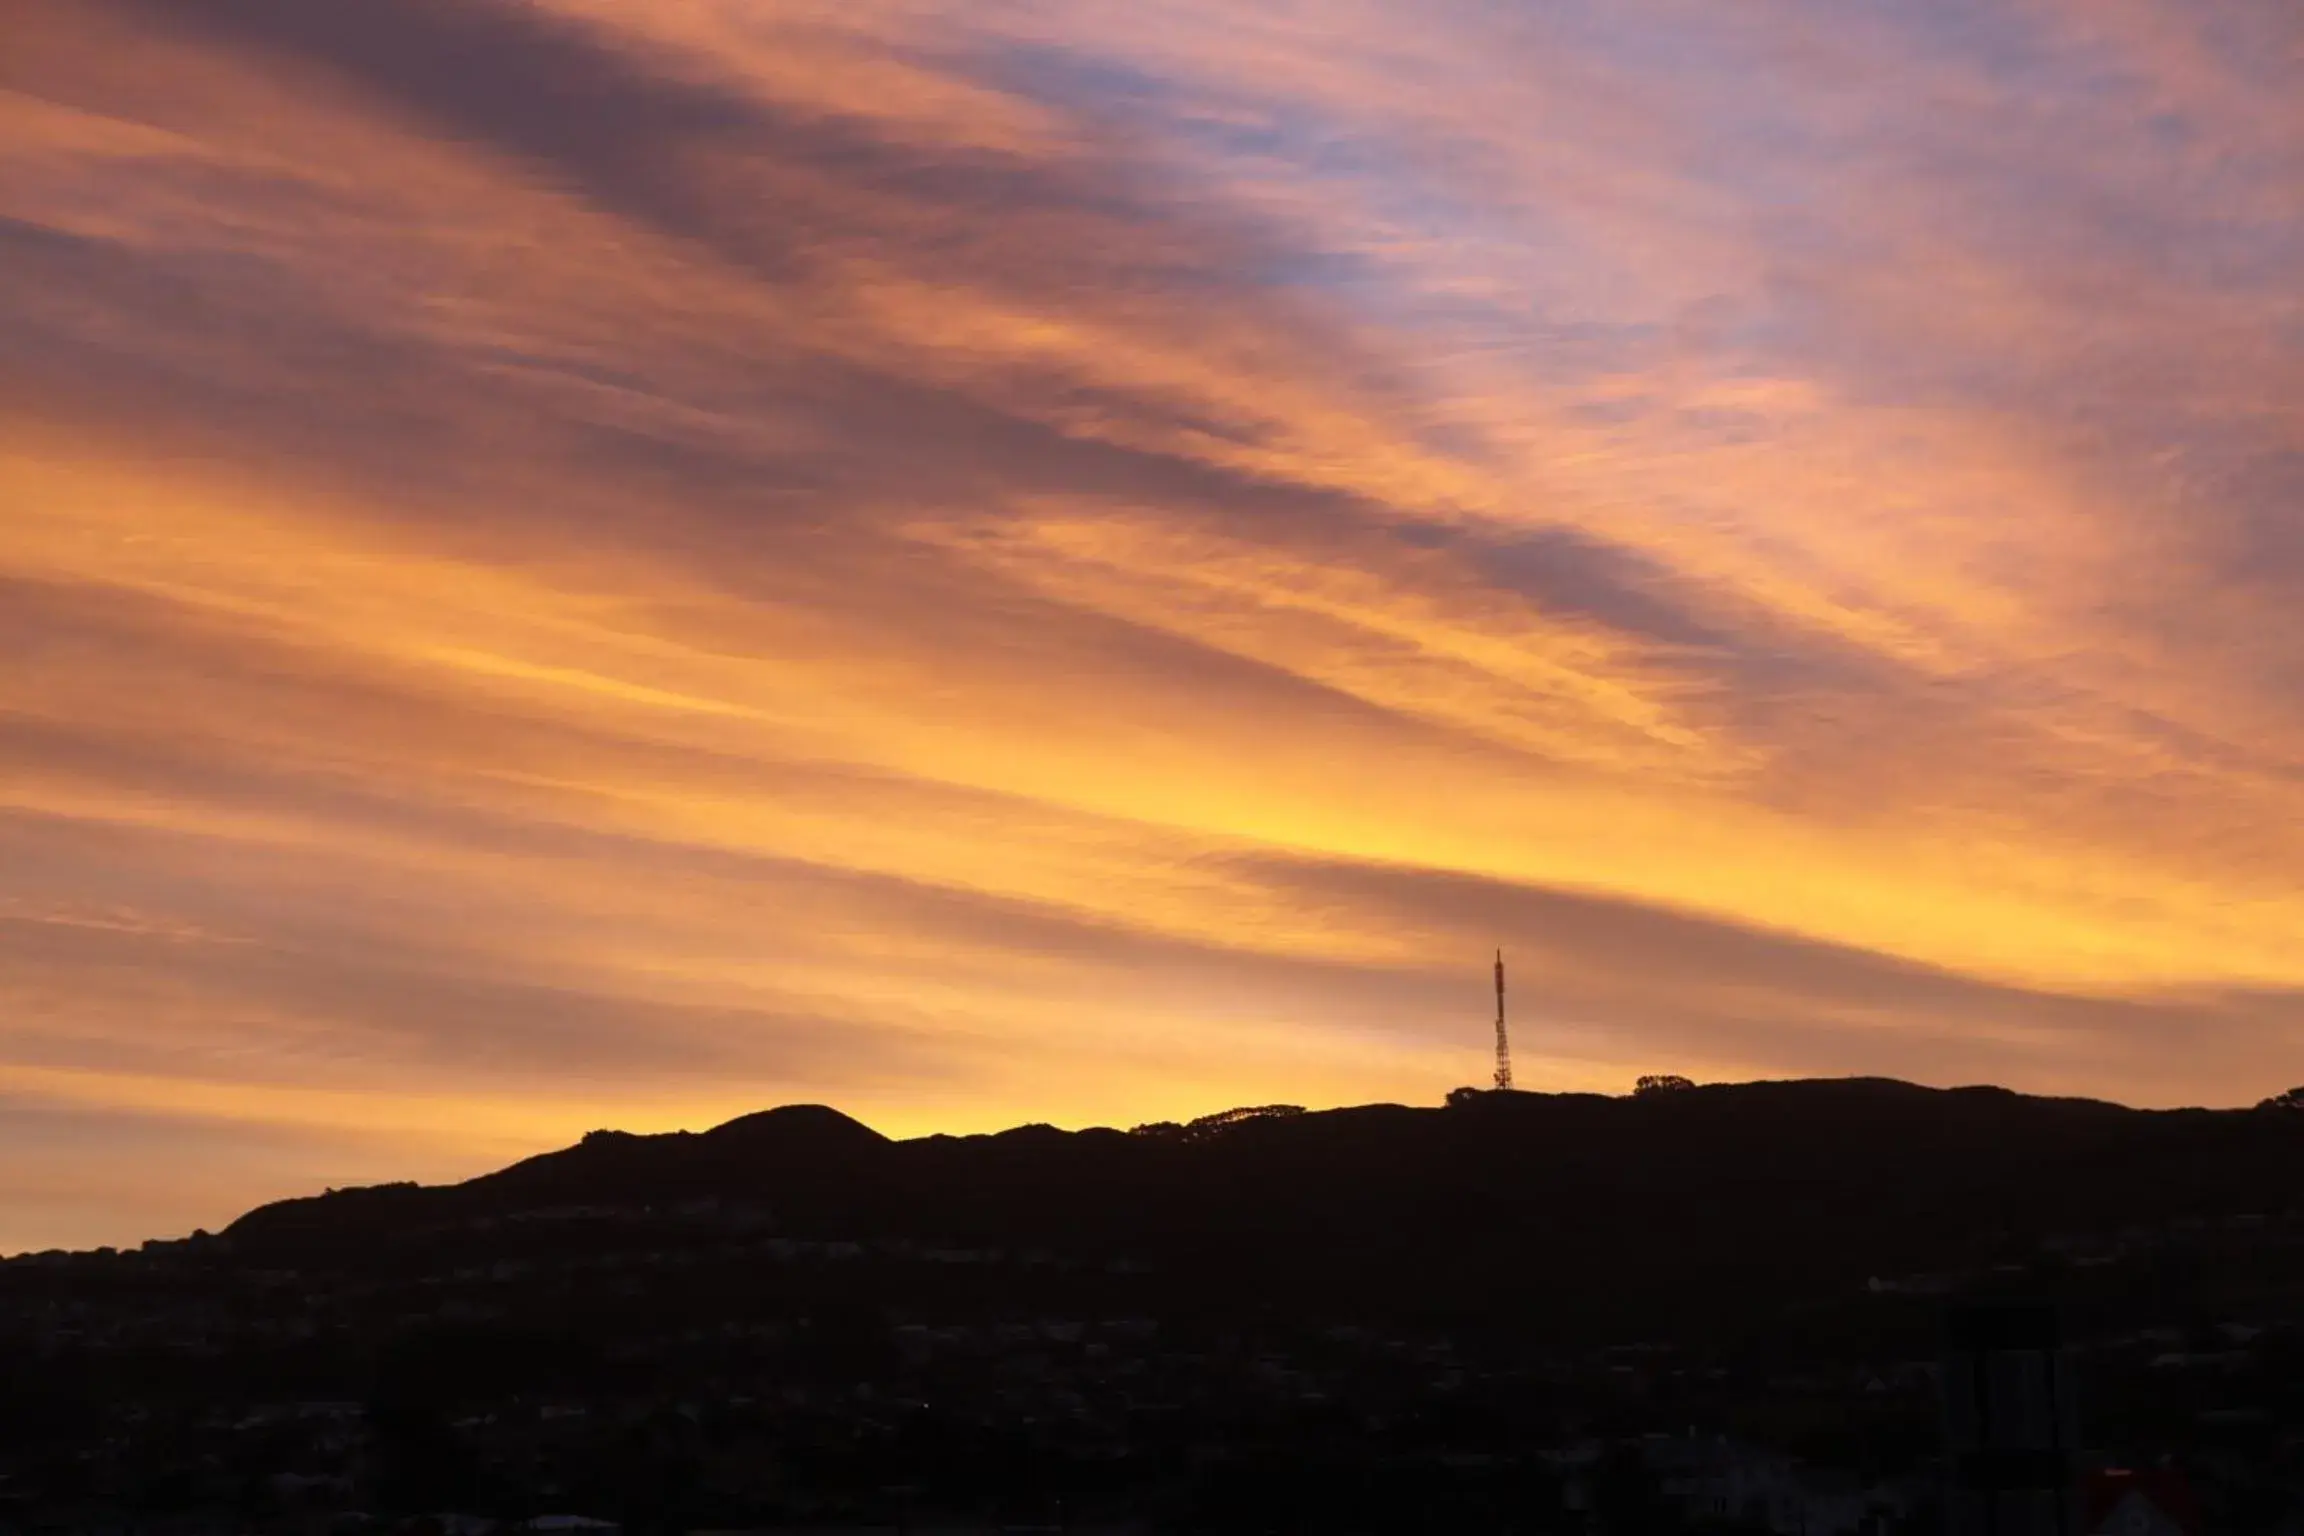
(1503,1045)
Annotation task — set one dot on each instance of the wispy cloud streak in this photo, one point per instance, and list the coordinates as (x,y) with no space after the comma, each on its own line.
(573,562)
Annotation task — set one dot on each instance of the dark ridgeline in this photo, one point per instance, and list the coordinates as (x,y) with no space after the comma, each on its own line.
(1694,1307)
(1528,1213)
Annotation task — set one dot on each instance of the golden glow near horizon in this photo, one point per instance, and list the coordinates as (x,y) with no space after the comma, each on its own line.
(568,563)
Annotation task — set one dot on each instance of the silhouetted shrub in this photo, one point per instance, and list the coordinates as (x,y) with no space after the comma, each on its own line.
(1224,1119)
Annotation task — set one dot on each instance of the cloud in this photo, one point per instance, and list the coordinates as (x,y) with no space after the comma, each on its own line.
(83,1174)
(570,563)
(1601,978)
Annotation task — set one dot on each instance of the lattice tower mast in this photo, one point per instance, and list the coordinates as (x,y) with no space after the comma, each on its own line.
(1503,1044)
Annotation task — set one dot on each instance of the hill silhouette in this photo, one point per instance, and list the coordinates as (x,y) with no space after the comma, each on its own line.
(1554,1211)
(1368,1319)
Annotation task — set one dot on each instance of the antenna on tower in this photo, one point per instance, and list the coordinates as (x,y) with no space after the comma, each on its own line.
(1503,1045)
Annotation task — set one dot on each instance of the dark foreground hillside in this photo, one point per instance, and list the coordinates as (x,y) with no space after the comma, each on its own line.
(1462,1318)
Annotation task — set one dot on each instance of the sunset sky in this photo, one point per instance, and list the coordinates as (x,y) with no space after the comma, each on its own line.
(573,562)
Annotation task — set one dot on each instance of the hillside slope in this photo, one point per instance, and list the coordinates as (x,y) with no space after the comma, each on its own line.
(1671,1208)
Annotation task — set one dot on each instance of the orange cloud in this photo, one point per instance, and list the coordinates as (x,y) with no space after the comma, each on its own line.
(565,564)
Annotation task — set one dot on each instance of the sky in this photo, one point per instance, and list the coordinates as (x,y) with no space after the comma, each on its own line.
(567,564)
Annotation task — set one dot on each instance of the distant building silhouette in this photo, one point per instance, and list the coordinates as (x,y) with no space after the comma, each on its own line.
(2011,1423)
(2147,1501)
